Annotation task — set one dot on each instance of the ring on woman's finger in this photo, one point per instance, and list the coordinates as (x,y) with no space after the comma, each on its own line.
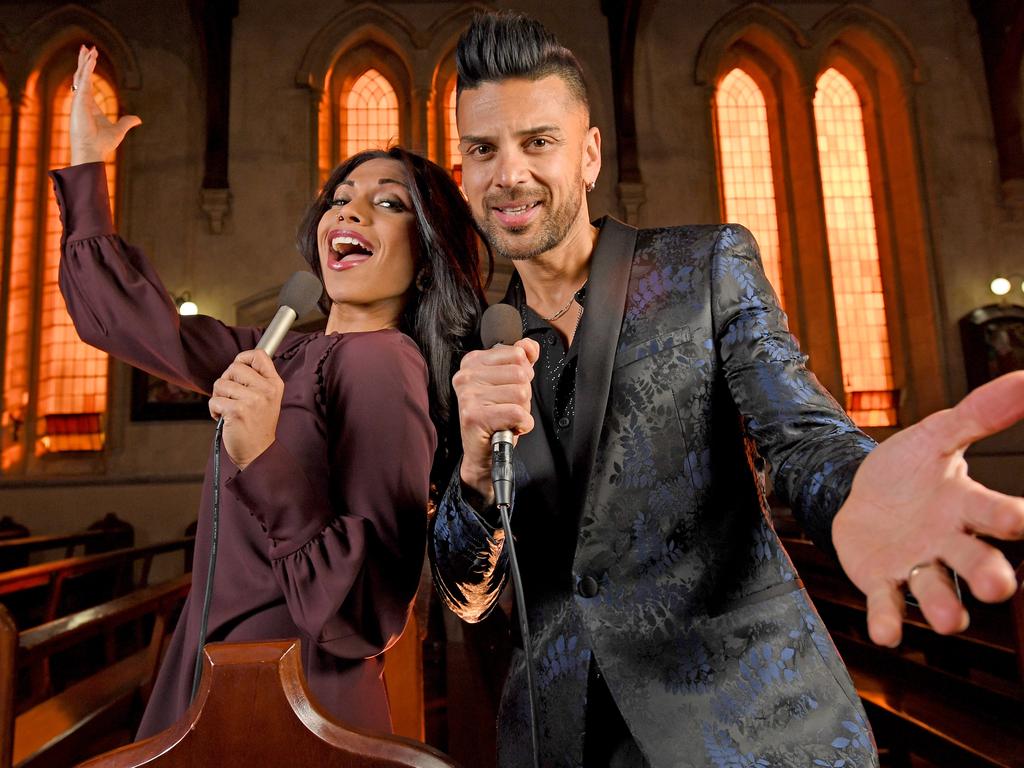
(916,569)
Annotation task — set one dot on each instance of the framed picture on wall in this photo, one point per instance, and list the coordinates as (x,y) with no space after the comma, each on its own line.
(154,399)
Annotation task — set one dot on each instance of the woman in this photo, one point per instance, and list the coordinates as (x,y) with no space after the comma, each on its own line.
(328,446)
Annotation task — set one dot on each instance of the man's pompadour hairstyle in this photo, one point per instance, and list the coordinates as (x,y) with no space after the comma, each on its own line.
(503,45)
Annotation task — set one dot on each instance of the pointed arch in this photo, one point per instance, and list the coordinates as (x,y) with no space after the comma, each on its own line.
(874,35)
(72,24)
(758,24)
(366,23)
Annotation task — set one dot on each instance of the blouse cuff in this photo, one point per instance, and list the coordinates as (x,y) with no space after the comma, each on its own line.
(83,200)
(277,492)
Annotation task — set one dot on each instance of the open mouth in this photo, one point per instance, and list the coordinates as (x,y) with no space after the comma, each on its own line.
(348,250)
(516,214)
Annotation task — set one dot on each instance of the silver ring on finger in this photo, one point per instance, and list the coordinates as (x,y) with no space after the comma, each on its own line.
(915,569)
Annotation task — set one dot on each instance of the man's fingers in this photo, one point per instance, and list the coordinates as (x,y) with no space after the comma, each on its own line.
(494,418)
(933,588)
(512,394)
(984,568)
(501,355)
(990,408)
(991,513)
(885,614)
(531,348)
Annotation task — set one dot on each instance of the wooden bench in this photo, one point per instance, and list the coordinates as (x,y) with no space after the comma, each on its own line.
(11,529)
(59,729)
(52,578)
(253,708)
(955,700)
(15,552)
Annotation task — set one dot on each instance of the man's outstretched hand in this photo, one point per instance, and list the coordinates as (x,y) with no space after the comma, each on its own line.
(913,510)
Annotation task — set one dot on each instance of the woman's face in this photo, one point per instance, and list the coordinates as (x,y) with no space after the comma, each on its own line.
(368,242)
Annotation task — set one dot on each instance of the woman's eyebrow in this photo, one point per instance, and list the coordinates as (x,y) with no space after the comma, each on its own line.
(380,182)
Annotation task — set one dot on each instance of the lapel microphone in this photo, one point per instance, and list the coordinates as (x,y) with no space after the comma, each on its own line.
(501,324)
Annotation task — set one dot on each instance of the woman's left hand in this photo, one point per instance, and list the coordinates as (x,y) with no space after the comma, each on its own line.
(248,396)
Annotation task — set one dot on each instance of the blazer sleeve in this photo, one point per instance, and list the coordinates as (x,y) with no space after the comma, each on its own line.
(118,303)
(812,448)
(467,556)
(347,550)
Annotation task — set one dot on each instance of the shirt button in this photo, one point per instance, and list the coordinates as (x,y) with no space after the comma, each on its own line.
(550,340)
(563,422)
(587,587)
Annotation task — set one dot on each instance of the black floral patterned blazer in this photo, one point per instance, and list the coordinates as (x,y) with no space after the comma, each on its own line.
(663,567)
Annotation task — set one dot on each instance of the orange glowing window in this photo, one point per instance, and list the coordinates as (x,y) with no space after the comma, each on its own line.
(324,143)
(370,114)
(72,392)
(853,248)
(20,280)
(453,157)
(745,162)
(55,386)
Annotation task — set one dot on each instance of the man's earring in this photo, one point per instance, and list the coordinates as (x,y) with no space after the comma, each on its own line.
(590,186)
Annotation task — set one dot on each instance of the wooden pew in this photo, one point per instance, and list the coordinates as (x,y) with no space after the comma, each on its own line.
(11,529)
(954,700)
(253,708)
(59,729)
(53,578)
(15,552)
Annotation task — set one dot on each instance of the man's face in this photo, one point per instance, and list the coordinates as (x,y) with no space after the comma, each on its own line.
(527,153)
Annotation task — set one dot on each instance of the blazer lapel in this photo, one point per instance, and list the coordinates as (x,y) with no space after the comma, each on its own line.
(599,333)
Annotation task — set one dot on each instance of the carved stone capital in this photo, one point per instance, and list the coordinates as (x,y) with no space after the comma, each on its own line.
(632,195)
(216,204)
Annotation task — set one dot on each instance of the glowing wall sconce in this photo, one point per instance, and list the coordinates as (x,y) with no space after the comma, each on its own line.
(185,304)
(1001,285)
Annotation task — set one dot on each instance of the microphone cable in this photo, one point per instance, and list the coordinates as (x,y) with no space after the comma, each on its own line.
(524,629)
(212,567)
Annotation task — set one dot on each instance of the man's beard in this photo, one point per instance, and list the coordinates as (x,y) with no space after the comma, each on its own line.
(554,227)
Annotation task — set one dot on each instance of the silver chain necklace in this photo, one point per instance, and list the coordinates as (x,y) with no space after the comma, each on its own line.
(562,311)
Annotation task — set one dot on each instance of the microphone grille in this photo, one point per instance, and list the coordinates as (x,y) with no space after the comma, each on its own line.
(301,293)
(501,324)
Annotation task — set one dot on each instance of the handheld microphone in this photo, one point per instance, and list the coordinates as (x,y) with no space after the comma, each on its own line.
(297,298)
(501,324)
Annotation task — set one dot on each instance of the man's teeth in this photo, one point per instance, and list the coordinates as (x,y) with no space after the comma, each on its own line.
(518,209)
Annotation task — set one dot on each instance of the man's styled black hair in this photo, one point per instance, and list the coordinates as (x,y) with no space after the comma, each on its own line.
(506,44)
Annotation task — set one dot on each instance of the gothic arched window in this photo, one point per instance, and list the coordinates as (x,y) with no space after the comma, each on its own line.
(745,166)
(55,385)
(853,252)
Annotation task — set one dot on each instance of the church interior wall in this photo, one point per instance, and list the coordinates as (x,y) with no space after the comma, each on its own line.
(151,471)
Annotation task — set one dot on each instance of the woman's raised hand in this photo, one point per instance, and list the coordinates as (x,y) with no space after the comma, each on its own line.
(93,136)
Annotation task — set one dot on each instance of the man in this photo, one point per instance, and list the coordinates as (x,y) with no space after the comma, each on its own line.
(669,627)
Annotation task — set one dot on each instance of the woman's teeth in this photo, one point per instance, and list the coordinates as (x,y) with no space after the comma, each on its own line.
(348,245)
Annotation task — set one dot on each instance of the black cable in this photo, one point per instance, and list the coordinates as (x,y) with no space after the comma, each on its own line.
(208,595)
(524,630)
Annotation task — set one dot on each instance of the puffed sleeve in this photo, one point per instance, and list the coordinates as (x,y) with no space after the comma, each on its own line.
(467,555)
(812,448)
(118,303)
(347,550)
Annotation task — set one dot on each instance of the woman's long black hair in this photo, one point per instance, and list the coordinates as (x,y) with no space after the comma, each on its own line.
(442,317)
